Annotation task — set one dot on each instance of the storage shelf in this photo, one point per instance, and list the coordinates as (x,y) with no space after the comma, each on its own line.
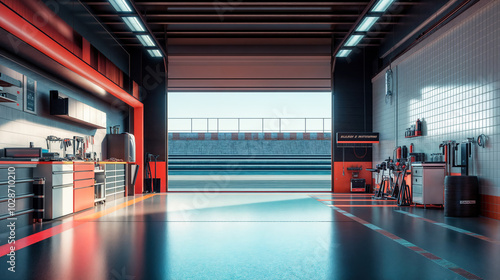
(5,99)
(413,136)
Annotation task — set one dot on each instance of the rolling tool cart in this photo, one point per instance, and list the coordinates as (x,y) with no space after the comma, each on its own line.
(357,184)
(99,188)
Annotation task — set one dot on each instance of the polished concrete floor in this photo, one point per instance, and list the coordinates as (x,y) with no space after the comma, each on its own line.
(256,236)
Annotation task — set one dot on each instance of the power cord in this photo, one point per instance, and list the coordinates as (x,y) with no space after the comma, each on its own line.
(481,140)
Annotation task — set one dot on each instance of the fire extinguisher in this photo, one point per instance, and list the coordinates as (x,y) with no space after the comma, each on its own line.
(411,151)
(398,152)
(418,127)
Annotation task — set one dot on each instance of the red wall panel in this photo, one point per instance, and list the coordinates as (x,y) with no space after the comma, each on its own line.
(490,206)
(342,183)
(86,51)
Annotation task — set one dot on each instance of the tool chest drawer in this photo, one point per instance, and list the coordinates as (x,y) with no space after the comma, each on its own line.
(59,179)
(84,198)
(83,166)
(62,167)
(417,180)
(84,175)
(417,172)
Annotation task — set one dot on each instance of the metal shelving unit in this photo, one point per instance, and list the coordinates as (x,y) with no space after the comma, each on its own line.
(99,187)
(114,181)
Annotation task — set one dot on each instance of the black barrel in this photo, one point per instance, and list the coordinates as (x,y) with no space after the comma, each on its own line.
(38,199)
(461,196)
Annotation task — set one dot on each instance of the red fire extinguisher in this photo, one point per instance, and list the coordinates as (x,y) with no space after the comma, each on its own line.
(411,151)
(398,152)
(418,127)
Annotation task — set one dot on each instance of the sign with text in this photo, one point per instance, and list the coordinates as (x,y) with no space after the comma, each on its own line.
(30,95)
(357,137)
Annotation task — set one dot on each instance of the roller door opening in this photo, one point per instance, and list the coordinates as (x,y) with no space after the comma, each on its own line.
(249,141)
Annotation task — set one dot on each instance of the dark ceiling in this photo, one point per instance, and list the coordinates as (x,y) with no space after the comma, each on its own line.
(209,20)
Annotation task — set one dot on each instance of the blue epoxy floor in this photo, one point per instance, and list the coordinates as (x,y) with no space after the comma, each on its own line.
(259,236)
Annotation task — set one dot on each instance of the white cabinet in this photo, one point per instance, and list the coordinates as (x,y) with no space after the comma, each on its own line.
(62,201)
(69,108)
(427,183)
(58,188)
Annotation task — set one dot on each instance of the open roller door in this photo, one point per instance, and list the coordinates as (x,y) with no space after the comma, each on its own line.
(250,73)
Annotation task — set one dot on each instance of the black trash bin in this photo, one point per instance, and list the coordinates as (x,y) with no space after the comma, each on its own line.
(461,196)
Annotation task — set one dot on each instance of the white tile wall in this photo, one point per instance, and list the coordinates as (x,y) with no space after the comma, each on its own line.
(451,81)
(18,128)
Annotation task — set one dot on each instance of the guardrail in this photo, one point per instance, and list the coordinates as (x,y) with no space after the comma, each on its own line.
(263,125)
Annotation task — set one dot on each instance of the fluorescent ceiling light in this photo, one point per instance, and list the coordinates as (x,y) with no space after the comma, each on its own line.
(353,40)
(120,5)
(146,40)
(366,24)
(382,6)
(134,24)
(155,53)
(343,53)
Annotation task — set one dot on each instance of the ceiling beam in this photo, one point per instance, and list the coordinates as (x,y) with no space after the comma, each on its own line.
(327,34)
(255,4)
(353,27)
(149,15)
(235,3)
(240,3)
(245,32)
(248,23)
(140,45)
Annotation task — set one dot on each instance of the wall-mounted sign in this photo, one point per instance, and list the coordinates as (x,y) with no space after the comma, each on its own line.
(29,95)
(357,137)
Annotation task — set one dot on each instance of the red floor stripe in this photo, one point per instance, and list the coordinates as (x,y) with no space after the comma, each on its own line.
(388,234)
(347,194)
(431,256)
(442,262)
(456,229)
(416,249)
(39,236)
(360,205)
(248,192)
(44,234)
(372,200)
(464,273)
